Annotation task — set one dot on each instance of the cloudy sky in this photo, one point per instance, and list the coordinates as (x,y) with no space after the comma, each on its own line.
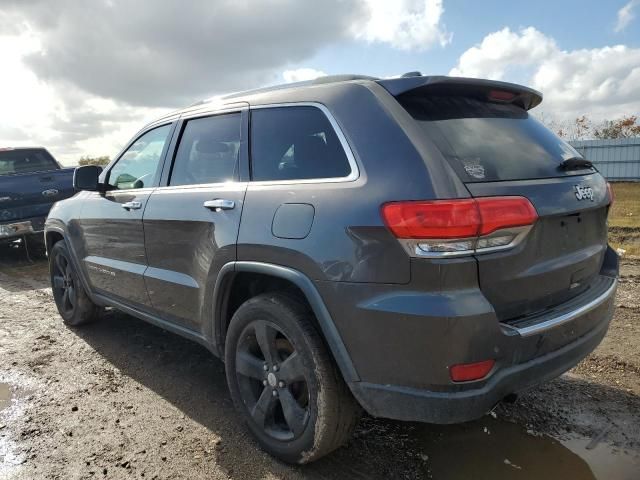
(80,77)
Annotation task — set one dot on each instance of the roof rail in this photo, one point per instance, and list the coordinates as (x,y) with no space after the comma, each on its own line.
(305,83)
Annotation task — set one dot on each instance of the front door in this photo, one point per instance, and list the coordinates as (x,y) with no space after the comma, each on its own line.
(191,224)
(111,228)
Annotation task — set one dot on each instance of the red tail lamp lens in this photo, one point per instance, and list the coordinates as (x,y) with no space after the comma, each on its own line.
(466,372)
(462,218)
(433,219)
(505,212)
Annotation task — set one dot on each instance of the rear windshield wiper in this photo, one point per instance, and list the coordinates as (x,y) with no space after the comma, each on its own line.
(575,163)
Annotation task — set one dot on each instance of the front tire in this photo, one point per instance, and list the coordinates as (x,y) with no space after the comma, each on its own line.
(72,301)
(283,381)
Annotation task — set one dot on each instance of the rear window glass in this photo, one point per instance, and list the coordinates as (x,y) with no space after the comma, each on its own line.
(26,160)
(489,141)
(295,143)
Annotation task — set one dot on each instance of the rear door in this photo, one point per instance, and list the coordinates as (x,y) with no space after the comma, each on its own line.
(191,222)
(499,149)
(111,223)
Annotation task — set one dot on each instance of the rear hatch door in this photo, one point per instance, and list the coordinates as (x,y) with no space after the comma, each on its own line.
(498,148)
(561,255)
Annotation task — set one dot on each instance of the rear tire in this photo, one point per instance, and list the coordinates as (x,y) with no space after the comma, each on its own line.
(72,301)
(283,381)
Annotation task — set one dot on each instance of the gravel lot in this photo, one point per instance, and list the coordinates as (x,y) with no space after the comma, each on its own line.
(123,399)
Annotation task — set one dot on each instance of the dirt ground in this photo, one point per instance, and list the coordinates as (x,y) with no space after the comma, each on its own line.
(124,399)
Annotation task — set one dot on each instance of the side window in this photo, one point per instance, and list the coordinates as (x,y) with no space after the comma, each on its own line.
(208,150)
(137,167)
(295,143)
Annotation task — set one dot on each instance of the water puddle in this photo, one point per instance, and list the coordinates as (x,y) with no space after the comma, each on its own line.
(9,409)
(5,396)
(501,450)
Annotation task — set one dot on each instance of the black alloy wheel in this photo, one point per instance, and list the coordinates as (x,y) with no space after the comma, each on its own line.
(74,305)
(283,380)
(63,284)
(272,381)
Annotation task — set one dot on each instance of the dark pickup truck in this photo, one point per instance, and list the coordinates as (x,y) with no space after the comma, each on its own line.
(31,181)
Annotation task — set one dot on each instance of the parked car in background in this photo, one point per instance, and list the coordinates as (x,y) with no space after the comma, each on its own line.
(31,181)
(418,247)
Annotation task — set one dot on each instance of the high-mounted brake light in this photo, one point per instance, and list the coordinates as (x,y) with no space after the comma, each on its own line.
(501,95)
(460,226)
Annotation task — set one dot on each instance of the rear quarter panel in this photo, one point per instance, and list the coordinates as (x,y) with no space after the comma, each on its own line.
(348,241)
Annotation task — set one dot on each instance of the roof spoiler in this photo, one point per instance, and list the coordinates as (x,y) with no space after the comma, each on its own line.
(493,90)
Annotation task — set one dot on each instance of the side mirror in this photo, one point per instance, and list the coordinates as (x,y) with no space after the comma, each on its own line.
(86,178)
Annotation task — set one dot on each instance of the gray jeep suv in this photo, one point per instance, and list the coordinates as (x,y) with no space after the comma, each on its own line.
(418,247)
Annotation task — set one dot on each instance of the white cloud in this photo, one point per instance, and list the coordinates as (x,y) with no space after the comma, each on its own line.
(27,103)
(177,52)
(601,82)
(503,50)
(301,74)
(626,15)
(82,86)
(404,24)
(35,113)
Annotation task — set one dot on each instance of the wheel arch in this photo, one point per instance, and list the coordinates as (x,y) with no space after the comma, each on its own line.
(51,237)
(226,282)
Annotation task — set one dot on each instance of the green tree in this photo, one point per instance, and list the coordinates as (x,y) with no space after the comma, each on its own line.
(100,161)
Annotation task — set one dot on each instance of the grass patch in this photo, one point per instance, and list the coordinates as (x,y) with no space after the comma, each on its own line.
(626,207)
(624,217)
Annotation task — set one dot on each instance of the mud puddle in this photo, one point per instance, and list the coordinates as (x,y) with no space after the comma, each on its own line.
(501,450)
(8,459)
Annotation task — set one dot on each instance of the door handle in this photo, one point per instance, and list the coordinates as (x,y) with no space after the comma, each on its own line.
(132,205)
(219,204)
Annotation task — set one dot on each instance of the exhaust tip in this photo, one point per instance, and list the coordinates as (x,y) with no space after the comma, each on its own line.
(511,398)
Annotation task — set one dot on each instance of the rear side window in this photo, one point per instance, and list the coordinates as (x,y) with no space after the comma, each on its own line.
(486,141)
(295,143)
(25,160)
(208,151)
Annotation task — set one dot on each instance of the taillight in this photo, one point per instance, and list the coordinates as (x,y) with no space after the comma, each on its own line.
(433,219)
(610,193)
(460,226)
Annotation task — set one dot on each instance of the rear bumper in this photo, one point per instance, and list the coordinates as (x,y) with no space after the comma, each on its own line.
(403,343)
(412,404)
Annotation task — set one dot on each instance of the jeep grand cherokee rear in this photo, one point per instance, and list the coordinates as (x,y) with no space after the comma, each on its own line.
(421,247)
(510,285)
